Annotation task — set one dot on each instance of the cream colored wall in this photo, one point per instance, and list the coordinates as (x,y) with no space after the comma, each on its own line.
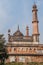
(25,42)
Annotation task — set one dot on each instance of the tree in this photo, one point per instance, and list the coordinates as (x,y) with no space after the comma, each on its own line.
(3,51)
(2,41)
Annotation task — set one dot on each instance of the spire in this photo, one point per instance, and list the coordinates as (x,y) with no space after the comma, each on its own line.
(18,27)
(34,1)
(9,31)
(34,5)
(27,31)
(34,11)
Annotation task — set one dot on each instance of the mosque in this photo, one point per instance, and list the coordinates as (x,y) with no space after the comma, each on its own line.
(25,48)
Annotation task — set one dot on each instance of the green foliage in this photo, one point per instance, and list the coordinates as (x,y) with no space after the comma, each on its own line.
(20,63)
(2,41)
(14,63)
(3,51)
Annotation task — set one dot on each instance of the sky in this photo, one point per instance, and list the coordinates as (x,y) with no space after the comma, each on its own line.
(19,12)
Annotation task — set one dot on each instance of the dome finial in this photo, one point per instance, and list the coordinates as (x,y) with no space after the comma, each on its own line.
(34,5)
(34,2)
(18,27)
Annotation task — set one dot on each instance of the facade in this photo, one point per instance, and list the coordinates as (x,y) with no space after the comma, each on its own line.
(25,48)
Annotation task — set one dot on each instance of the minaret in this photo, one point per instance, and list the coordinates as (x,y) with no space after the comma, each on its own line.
(27,31)
(35,22)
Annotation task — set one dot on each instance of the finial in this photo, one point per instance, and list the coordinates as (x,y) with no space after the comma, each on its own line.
(18,27)
(27,31)
(34,5)
(9,31)
(34,2)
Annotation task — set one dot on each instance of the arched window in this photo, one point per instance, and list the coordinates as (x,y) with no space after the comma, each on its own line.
(14,49)
(30,48)
(10,50)
(34,49)
(26,49)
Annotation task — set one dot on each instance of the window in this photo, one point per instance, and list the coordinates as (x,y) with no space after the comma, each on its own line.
(14,49)
(10,50)
(22,59)
(12,58)
(26,49)
(30,48)
(34,49)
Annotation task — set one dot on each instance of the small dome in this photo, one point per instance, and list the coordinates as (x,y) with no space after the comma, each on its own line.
(27,27)
(34,6)
(18,33)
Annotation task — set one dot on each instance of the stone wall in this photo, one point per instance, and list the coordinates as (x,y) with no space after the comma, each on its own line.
(25,59)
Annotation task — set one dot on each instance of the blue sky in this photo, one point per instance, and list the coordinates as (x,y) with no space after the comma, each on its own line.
(19,12)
